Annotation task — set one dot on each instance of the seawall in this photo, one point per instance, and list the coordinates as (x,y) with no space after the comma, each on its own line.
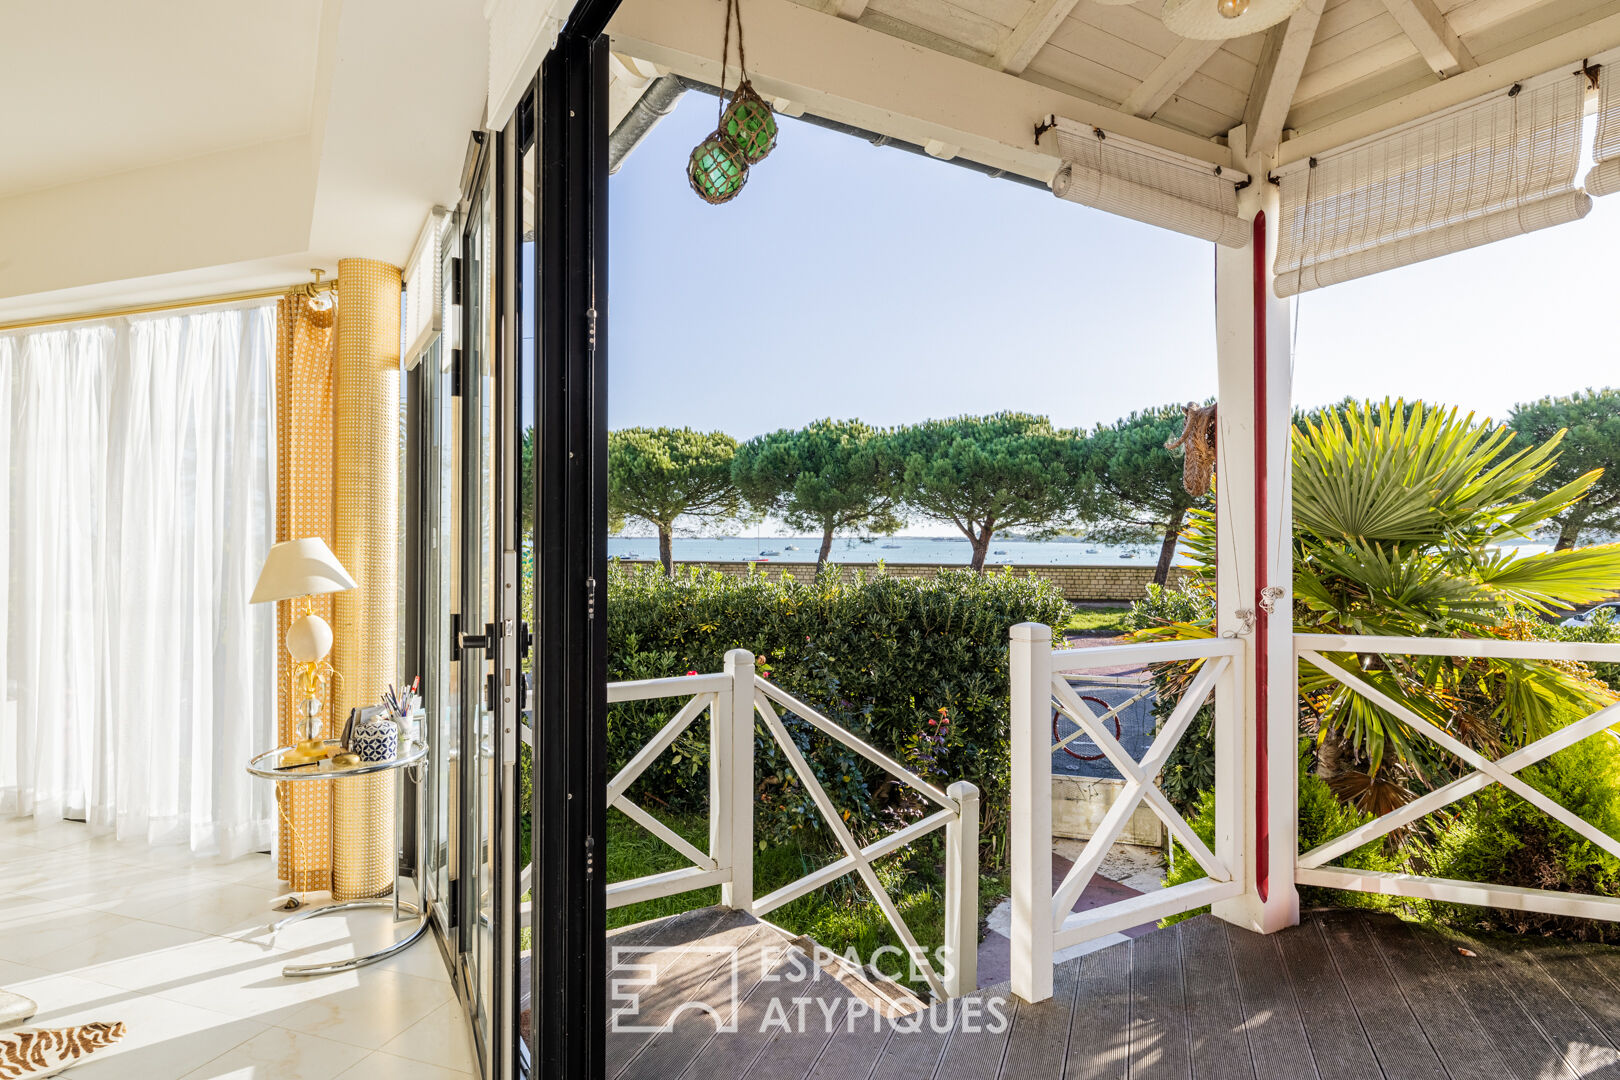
(1122,583)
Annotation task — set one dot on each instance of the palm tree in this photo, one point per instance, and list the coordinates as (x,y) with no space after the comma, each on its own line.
(1404,525)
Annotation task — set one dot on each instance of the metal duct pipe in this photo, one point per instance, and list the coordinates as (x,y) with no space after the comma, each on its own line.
(655,103)
(871,137)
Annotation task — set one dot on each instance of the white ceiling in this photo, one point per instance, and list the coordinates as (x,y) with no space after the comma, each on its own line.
(105,86)
(175,148)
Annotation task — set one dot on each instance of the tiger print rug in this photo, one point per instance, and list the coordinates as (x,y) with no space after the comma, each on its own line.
(48,1051)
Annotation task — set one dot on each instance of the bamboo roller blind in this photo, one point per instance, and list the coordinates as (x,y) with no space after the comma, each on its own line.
(1495,167)
(1121,176)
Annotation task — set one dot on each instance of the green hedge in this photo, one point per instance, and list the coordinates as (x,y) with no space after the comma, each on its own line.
(887,658)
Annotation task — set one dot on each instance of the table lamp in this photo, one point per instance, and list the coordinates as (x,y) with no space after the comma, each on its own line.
(304,568)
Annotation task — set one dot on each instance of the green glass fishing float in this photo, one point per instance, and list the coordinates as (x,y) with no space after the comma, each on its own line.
(717,169)
(750,123)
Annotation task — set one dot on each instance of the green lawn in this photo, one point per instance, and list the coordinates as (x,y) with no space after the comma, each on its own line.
(1100,620)
(839,916)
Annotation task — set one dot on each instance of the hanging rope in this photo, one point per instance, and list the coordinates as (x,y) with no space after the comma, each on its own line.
(1197,442)
(745,131)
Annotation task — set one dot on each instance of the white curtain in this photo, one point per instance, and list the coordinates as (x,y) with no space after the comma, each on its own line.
(137,679)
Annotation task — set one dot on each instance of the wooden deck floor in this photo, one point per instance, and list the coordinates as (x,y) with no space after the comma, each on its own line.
(1343,996)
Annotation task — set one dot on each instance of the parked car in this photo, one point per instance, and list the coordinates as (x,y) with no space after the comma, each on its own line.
(1609,610)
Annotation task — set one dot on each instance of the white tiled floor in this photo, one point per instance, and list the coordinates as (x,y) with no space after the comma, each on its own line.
(176,948)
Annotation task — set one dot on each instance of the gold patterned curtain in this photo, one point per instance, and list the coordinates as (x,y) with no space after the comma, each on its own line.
(305,340)
(365,627)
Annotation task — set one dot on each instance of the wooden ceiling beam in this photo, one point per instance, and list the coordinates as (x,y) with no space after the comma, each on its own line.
(1282,62)
(1600,34)
(1032,33)
(856,75)
(1426,28)
(1170,75)
(845,9)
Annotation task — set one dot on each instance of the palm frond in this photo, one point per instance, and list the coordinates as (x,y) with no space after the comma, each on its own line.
(1554,580)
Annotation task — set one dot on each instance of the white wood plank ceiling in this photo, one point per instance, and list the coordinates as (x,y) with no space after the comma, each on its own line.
(1331,59)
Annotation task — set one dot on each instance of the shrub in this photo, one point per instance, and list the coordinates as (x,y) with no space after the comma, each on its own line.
(1189,772)
(880,656)
(1321,818)
(1497,837)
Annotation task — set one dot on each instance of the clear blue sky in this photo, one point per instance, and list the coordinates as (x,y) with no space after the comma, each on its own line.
(849,280)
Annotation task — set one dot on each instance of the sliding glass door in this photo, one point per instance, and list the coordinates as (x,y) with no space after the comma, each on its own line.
(466,536)
(478,637)
(512,417)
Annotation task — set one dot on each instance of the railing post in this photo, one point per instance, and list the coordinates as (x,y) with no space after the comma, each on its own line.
(962,892)
(1030,729)
(1234,787)
(731,781)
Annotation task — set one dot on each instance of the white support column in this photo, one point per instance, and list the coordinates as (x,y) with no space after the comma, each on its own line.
(1254,555)
(1031,733)
(962,893)
(731,781)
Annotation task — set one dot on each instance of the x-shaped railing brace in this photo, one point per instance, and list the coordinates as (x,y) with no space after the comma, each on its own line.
(1139,785)
(1486,771)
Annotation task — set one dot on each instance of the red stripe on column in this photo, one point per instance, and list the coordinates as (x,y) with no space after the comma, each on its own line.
(1262,645)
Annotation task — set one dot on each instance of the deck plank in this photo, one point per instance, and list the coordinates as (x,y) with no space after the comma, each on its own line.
(1584,1046)
(775,1036)
(1464,1048)
(1338,1042)
(1398,1040)
(680,973)
(1526,1052)
(1159,1044)
(1348,995)
(1099,1045)
(1589,974)
(1220,1048)
(1039,1040)
(852,1051)
(978,1042)
(682,929)
(1277,1043)
(915,1048)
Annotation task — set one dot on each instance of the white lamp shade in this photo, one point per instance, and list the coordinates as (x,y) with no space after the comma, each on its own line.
(1202,21)
(300,568)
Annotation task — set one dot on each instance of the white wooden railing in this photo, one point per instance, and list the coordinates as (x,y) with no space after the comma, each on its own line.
(1042,919)
(1313,868)
(731,698)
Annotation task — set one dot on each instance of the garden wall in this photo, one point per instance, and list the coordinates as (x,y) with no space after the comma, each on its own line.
(1120,583)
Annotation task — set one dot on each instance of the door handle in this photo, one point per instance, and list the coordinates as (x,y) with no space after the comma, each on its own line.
(460,640)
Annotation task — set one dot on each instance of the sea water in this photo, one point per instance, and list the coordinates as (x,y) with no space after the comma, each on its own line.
(947,551)
(940,550)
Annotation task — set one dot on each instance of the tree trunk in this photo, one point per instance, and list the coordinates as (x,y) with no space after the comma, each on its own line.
(826,547)
(666,553)
(1568,531)
(1167,550)
(1332,753)
(981,547)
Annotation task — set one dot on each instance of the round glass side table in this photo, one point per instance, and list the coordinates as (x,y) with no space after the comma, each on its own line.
(410,757)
